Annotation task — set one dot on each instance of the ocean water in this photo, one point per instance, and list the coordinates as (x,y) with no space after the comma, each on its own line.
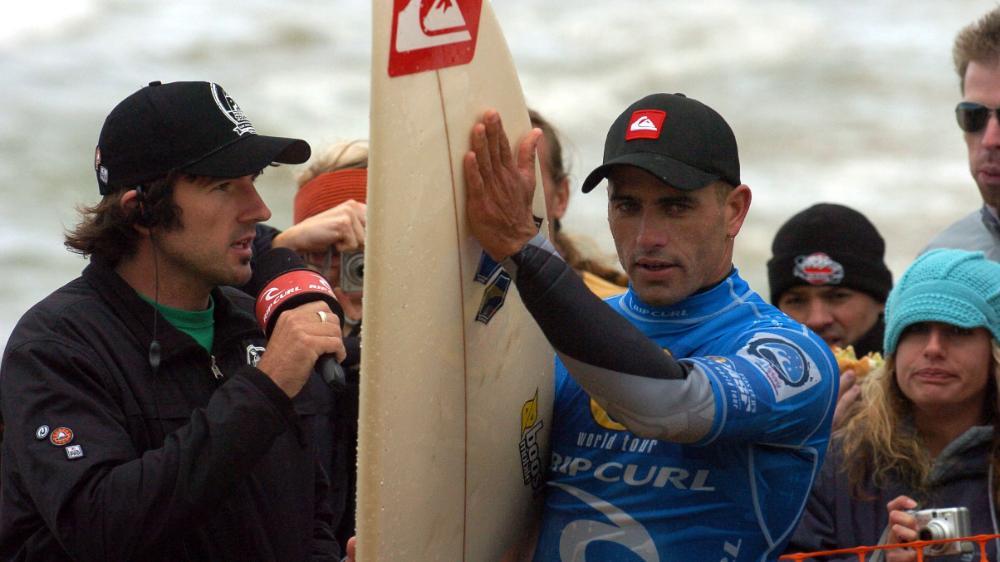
(847,102)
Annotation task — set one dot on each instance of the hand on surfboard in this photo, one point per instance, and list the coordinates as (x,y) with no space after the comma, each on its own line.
(499,189)
(342,227)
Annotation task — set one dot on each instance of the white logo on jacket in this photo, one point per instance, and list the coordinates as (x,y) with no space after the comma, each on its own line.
(254,353)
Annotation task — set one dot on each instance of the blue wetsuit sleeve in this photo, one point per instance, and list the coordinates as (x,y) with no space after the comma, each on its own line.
(780,386)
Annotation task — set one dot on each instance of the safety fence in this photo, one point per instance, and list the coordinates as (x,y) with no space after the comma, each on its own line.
(863,551)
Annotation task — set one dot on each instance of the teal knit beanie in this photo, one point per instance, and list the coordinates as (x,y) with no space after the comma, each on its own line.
(951,286)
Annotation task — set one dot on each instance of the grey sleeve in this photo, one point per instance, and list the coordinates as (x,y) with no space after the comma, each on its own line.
(638,384)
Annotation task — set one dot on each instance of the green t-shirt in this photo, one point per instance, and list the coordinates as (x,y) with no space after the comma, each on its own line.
(199,324)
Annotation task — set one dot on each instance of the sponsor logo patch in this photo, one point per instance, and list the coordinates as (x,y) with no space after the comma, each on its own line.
(61,436)
(819,269)
(784,365)
(602,418)
(531,457)
(74,452)
(497,282)
(645,124)
(42,432)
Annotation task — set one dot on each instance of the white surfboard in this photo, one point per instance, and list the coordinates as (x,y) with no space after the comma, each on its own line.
(456,392)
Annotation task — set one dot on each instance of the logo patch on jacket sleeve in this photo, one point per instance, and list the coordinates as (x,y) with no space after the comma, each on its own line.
(645,124)
(74,452)
(42,432)
(785,366)
(61,436)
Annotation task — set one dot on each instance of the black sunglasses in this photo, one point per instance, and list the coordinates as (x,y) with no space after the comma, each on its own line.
(972,117)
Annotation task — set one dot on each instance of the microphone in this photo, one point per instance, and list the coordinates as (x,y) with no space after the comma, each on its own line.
(282,282)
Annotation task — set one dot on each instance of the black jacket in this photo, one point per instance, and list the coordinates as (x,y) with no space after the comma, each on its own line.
(835,518)
(205,460)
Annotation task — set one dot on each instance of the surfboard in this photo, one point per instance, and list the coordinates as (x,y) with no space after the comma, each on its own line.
(456,378)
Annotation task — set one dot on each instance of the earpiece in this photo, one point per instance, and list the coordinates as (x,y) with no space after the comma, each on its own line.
(145,215)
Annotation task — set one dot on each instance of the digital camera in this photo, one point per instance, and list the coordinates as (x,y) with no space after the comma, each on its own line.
(352,271)
(944,523)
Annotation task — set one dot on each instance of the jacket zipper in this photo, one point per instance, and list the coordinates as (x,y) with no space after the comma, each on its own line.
(215,370)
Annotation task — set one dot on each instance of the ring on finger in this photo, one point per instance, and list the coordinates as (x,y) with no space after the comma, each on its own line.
(322,315)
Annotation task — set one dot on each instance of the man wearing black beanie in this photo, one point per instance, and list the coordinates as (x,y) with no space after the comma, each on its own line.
(828,271)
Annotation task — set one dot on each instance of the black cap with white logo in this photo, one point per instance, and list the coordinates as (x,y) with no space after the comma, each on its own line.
(681,141)
(191,127)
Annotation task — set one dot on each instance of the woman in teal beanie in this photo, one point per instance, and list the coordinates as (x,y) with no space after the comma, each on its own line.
(924,434)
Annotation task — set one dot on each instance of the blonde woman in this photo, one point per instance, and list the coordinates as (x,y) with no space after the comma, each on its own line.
(923,434)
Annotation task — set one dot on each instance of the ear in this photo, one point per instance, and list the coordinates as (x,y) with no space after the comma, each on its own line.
(560,199)
(737,206)
(129,202)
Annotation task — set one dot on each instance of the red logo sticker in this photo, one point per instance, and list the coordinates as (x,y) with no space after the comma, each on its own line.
(61,436)
(645,124)
(432,34)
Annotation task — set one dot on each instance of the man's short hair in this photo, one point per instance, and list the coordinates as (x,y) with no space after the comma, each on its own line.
(979,41)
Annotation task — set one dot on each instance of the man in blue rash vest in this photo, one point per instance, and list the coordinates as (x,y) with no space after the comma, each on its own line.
(691,417)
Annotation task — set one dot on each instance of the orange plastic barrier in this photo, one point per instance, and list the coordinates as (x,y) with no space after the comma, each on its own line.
(862,551)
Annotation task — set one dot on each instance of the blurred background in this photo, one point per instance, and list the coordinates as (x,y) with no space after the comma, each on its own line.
(848,102)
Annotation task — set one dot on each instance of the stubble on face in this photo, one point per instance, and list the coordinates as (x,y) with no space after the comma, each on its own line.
(671,242)
(982,85)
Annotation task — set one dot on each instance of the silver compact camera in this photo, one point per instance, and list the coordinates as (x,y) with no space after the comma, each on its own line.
(945,523)
(352,271)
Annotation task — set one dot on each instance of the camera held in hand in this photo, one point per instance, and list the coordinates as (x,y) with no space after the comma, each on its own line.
(944,523)
(352,271)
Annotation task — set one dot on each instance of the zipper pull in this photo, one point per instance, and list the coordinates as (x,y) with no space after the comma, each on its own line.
(215,370)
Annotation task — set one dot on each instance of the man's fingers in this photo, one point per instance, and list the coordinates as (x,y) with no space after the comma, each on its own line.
(473,176)
(527,153)
(481,150)
(495,140)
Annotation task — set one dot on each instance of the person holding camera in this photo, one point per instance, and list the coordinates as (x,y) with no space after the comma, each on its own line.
(329,223)
(922,443)
(329,232)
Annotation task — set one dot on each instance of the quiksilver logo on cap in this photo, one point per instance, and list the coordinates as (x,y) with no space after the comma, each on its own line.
(645,124)
(232,111)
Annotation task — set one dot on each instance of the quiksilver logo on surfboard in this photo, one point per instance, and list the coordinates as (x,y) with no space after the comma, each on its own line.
(432,34)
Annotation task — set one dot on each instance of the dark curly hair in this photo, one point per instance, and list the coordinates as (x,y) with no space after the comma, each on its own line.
(106,231)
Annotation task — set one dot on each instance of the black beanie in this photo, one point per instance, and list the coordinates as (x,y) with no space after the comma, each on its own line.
(829,244)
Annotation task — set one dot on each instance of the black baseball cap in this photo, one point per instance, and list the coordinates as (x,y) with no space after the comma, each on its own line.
(683,142)
(192,127)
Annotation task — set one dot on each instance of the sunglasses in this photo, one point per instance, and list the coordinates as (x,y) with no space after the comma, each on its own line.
(972,117)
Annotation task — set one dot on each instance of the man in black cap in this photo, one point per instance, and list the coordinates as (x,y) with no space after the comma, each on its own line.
(145,418)
(707,451)
(827,270)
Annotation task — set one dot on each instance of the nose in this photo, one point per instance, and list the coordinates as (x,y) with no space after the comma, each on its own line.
(254,208)
(651,234)
(934,346)
(991,134)
(818,315)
